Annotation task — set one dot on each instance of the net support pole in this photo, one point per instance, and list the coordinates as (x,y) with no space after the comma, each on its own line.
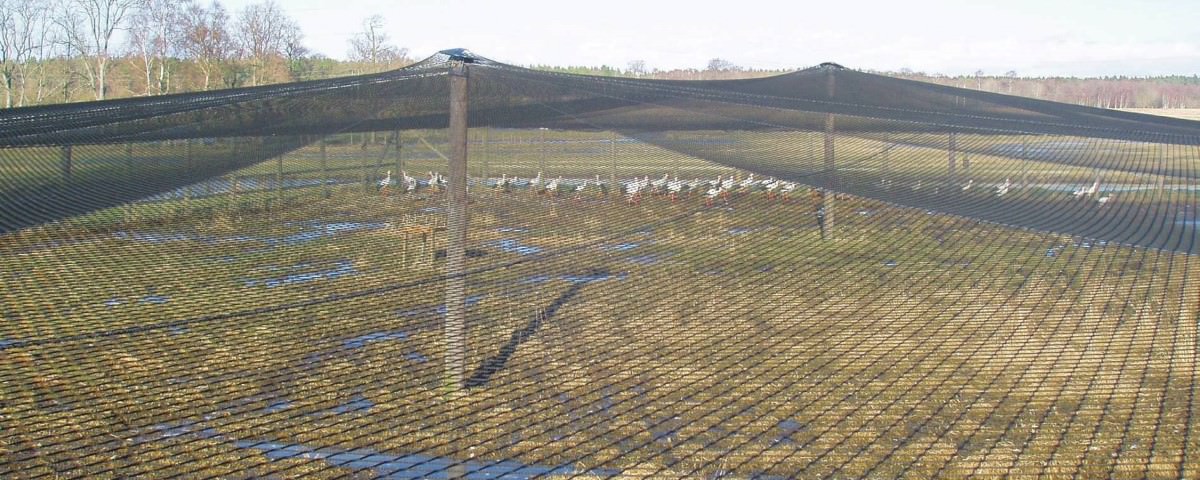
(1024,163)
(613,187)
(455,328)
(129,159)
(885,160)
(828,199)
(951,173)
(1162,167)
(483,144)
(279,177)
(399,154)
(324,169)
(67,164)
(542,154)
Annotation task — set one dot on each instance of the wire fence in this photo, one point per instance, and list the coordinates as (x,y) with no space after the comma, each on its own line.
(822,274)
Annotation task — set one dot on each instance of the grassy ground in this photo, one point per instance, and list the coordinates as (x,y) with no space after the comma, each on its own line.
(653,340)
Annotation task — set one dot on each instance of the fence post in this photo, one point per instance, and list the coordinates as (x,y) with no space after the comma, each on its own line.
(399,158)
(614,188)
(951,173)
(67,164)
(324,168)
(457,231)
(831,172)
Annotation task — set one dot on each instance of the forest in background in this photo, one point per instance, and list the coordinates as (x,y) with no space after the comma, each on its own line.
(56,51)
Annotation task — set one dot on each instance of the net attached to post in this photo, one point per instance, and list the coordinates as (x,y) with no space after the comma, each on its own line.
(823,273)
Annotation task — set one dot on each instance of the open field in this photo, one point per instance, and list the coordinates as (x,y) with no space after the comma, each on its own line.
(292,332)
(1184,113)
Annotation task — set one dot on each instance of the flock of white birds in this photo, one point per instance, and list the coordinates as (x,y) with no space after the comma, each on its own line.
(671,187)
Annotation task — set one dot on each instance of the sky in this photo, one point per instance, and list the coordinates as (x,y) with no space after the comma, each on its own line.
(953,37)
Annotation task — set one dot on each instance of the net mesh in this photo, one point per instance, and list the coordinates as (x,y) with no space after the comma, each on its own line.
(824,273)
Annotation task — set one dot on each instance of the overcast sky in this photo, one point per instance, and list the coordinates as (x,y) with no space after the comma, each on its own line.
(1032,37)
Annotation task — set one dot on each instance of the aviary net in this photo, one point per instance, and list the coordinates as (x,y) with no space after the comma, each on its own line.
(824,273)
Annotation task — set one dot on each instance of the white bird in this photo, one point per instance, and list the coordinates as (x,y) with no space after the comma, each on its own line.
(601,187)
(1088,191)
(786,189)
(552,187)
(503,182)
(674,187)
(1103,200)
(1003,189)
(747,182)
(771,186)
(968,185)
(713,192)
(386,180)
(633,190)
(536,183)
(436,180)
(660,184)
(410,183)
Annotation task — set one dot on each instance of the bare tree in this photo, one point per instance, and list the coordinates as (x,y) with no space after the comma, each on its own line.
(299,64)
(372,46)
(24,25)
(206,40)
(261,32)
(637,68)
(89,26)
(154,32)
(721,65)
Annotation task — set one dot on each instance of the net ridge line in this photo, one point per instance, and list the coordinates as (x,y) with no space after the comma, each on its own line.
(673,88)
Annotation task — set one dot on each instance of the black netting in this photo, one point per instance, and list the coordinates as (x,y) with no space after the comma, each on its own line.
(824,273)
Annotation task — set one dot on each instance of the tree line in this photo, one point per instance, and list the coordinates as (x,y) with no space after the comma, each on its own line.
(55,51)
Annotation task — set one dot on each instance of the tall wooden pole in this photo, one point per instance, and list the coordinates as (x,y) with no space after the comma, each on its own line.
(951,173)
(279,178)
(886,166)
(1024,163)
(831,172)
(455,328)
(542,156)
(487,152)
(324,169)
(613,187)
(399,155)
(67,163)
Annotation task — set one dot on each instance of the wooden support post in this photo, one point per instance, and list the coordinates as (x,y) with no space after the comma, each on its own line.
(831,172)
(886,162)
(455,327)
(483,143)
(542,155)
(1024,163)
(279,178)
(324,169)
(399,158)
(614,188)
(129,160)
(187,154)
(1162,168)
(379,161)
(366,167)
(67,165)
(951,173)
